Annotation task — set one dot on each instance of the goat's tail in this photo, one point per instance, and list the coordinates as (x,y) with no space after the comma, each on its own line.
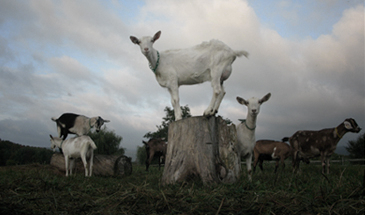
(240,53)
(58,122)
(285,139)
(92,144)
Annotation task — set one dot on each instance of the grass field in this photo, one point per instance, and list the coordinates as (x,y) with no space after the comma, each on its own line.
(39,189)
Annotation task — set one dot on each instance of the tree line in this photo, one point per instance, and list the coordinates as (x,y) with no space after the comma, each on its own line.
(16,154)
(108,143)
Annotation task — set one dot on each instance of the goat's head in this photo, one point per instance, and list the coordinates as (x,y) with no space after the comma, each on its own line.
(253,104)
(351,125)
(145,43)
(100,122)
(53,142)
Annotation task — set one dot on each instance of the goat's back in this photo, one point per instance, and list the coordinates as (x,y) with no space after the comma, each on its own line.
(305,138)
(267,146)
(67,120)
(75,145)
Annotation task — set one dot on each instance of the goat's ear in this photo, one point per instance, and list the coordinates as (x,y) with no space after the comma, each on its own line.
(348,125)
(134,40)
(144,142)
(242,101)
(105,120)
(157,35)
(265,98)
(51,137)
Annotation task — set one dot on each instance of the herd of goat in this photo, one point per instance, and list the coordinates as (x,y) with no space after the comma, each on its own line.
(209,61)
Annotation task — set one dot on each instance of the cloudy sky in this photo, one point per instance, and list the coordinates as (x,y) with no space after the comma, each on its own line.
(76,56)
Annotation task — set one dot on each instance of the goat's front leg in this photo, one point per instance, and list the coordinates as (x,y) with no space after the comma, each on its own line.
(323,161)
(248,164)
(328,164)
(219,99)
(175,101)
(66,164)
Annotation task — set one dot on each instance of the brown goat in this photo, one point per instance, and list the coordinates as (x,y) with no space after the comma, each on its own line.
(269,150)
(308,144)
(155,147)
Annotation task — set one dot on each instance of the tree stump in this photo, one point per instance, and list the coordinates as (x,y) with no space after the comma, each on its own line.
(203,147)
(103,165)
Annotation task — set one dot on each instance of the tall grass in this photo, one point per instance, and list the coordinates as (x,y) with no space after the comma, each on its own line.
(39,189)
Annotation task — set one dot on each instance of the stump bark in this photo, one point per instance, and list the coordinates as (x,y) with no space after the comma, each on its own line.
(202,147)
(103,165)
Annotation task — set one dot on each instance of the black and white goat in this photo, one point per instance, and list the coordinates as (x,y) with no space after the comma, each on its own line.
(70,123)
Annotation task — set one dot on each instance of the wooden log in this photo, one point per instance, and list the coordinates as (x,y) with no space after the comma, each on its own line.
(203,147)
(104,165)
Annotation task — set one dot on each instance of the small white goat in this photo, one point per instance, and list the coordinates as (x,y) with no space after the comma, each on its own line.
(80,146)
(70,123)
(246,130)
(209,61)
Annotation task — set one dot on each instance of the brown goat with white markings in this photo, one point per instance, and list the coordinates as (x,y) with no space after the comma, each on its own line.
(269,150)
(308,144)
(155,147)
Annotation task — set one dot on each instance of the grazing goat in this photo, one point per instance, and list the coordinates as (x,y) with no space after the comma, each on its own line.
(308,144)
(269,150)
(209,61)
(80,146)
(70,123)
(155,147)
(246,130)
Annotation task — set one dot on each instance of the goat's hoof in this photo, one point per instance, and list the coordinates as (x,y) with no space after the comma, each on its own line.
(209,113)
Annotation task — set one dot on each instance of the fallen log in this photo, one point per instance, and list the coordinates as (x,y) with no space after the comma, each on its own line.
(202,147)
(104,165)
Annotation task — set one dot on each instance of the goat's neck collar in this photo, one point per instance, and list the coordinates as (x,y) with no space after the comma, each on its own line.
(245,122)
(90,123)
(156,65)
(338,134)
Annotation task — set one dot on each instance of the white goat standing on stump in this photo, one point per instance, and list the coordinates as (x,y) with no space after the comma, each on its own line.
(80,146)
(209,61)
(246,130)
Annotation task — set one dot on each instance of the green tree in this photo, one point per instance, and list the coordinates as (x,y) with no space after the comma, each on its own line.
(162,130)
(107,142)
(357,148)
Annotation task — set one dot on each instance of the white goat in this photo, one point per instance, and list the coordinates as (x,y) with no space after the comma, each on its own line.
(77,124)
(246,130)
(209,61)
(80,146)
